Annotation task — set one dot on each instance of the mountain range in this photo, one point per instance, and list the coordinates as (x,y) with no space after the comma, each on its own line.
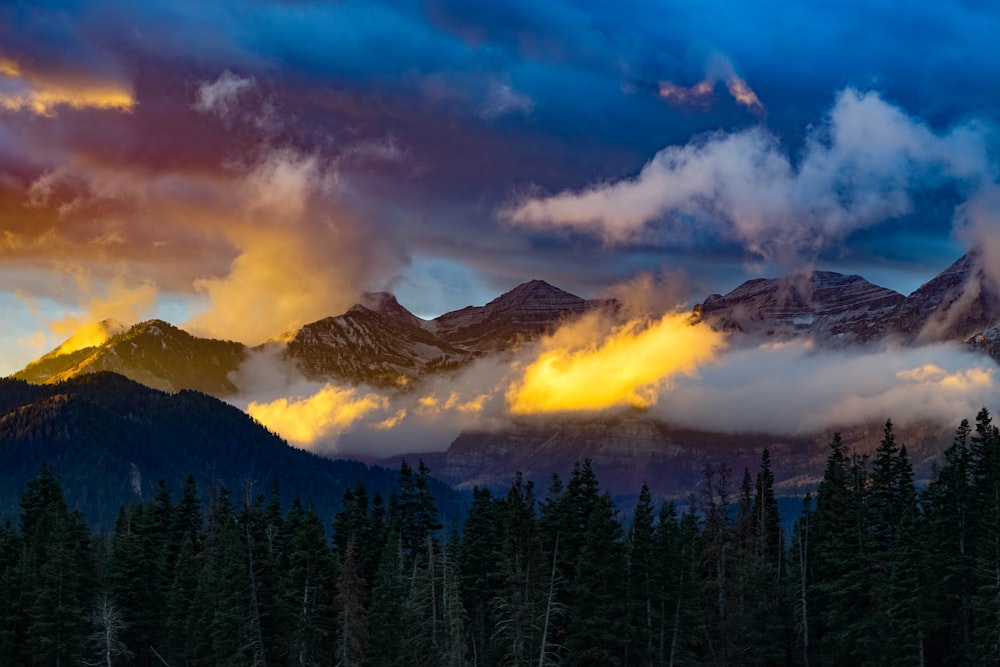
(379,343)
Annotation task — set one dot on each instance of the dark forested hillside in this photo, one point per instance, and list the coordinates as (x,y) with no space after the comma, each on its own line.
(110,441)
(873,573)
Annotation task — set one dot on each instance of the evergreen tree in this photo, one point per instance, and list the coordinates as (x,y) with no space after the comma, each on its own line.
(986,572)
(386,613)
(12,614)
(597,610)
(352,639)
(891,495)
(308,590)
(478,561)
(642,585)
(516,605)
(841,581)
(57,573)
(950,510)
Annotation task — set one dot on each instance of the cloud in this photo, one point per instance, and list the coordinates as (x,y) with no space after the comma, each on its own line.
(585,366)
(123,299)
(301,255)
(502,99)
(325,414)
(221,97)
(700,95)
(858,168)
(43,93)
(820,390)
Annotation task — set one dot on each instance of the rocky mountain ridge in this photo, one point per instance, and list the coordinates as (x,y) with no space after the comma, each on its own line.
(378,342)
(960,304)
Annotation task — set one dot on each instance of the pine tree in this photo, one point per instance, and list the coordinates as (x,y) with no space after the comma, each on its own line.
(841,581)
(478,562)
(386,613)
(308,590)
(352,638)
(986,572)
(12,614)
(597,609)
(642,583)
(891,495)
(800,583)
(949,507)
(58,575)
(516,605)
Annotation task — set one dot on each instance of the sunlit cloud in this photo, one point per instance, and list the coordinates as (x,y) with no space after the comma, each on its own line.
(719,68)
(120,299)
(44,94)
(325,414)
(582,368)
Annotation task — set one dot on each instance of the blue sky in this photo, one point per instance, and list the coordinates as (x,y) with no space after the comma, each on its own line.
(244,167)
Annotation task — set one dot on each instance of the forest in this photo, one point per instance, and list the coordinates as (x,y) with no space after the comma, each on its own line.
(874,572)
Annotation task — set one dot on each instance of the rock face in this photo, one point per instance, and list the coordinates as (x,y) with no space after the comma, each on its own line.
(526,312)
(827,306)
(957,304)
(152,353)
(381,344)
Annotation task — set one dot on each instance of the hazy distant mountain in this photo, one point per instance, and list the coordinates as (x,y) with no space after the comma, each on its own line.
(155,353)
(109,440)
(630,449)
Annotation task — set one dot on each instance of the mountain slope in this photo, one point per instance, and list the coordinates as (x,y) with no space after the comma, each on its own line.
(381,344)
(528,311)
(108,438)
(154,353)
(958,303)
(828,306)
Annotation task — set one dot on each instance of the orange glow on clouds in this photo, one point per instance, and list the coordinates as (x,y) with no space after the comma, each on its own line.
(931,374)
(42,95)
(628,366)
(686,96)
(327,413)
(718,68)
(433,405)
(90,335)
(743,94)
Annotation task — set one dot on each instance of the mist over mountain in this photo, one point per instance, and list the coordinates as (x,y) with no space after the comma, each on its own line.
(377,380)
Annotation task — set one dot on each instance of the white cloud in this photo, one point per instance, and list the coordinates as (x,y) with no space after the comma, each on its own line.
(220,97)
(857,168)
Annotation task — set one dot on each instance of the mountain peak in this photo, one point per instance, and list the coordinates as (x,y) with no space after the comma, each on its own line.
(529,310)
(385,303)
(823,304)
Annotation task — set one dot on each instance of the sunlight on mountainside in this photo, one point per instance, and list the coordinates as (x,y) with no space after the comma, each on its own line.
(584,366)
(90,335)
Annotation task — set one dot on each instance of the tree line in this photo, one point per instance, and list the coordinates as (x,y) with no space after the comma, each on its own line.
(873,573)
